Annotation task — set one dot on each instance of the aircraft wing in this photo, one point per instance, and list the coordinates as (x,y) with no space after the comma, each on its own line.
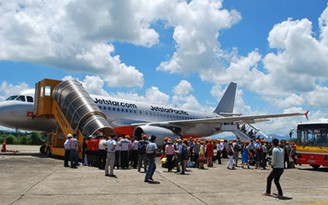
(250,119)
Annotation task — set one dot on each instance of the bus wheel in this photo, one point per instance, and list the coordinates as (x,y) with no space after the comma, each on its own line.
(48,152)
(316,167)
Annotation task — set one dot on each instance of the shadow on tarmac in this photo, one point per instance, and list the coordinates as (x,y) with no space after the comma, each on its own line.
(322,169)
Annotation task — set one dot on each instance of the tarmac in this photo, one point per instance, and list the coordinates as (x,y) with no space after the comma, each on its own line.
(30,178)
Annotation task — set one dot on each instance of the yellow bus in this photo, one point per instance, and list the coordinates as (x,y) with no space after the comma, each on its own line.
(312,143)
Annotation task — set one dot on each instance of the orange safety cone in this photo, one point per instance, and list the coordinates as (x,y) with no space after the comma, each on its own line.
(4,148)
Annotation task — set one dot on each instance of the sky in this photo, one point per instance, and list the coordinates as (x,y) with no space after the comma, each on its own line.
(176,53)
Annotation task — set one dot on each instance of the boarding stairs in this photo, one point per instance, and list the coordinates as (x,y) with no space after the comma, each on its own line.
(244,131)
(73,109)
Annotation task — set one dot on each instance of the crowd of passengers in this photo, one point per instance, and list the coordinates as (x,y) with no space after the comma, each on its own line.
(180,154)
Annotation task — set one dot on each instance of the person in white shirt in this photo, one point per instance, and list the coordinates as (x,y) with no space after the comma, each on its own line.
(134,154)
(102,152)
(110,161)
(74,148)
(67,150)
(219,148)
(277,168)
(125,146)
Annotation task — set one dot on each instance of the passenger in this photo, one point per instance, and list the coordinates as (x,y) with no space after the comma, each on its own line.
(258,152)
(264,153)
(134,153)
(219,149)
(164,144)
(125,146)
(201,158)
(85,152)
(236,149)
(196,147)
(175,158)
(67,149)
(110,161)
(286,154)
(209,152)
(142,144)
(178,150)
(185,156)
(169,153)
(74,148)
(190,144)
(245,153)
(117,154)
(230,152)
(151,152)
(224,153)
(277,168)
(102,153)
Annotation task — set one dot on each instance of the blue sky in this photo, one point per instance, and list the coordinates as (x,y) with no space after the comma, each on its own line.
(175,53)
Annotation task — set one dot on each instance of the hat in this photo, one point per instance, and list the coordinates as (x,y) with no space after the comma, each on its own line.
(69,136)
(144,136)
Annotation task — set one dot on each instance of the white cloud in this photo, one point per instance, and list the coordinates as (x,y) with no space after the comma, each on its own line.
(318,97)
(196,27)
(154,95)
(72,36)
(183,88)
(8,89)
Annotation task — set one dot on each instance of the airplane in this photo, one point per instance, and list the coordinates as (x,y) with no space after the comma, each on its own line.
(137,118)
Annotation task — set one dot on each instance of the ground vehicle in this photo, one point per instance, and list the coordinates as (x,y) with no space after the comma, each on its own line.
(312,143)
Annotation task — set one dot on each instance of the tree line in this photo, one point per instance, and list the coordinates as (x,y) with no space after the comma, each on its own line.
(21,138)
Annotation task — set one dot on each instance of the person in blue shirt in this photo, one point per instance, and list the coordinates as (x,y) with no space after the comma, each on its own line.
(151,152)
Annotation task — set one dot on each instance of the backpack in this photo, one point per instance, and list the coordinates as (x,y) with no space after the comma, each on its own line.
(142,147)
(237,147)
(184,152)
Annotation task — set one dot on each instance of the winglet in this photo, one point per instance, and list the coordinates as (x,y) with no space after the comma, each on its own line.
(307,114)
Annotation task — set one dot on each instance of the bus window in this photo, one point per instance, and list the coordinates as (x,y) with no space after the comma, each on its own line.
(322,139)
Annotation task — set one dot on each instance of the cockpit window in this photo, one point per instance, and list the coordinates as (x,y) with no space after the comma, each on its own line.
(29,99)
(21,98)
(12,97)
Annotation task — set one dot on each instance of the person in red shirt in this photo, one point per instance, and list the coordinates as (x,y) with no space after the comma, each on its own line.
(209,152)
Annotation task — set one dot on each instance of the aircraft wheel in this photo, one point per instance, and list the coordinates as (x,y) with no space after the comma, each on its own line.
(316,167)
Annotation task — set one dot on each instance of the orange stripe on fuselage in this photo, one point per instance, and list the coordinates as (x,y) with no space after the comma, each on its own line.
(128,130)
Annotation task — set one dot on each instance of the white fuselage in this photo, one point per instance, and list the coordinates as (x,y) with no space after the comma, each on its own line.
(120,113)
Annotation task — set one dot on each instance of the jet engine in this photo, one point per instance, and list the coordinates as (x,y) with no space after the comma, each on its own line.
(159,132)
